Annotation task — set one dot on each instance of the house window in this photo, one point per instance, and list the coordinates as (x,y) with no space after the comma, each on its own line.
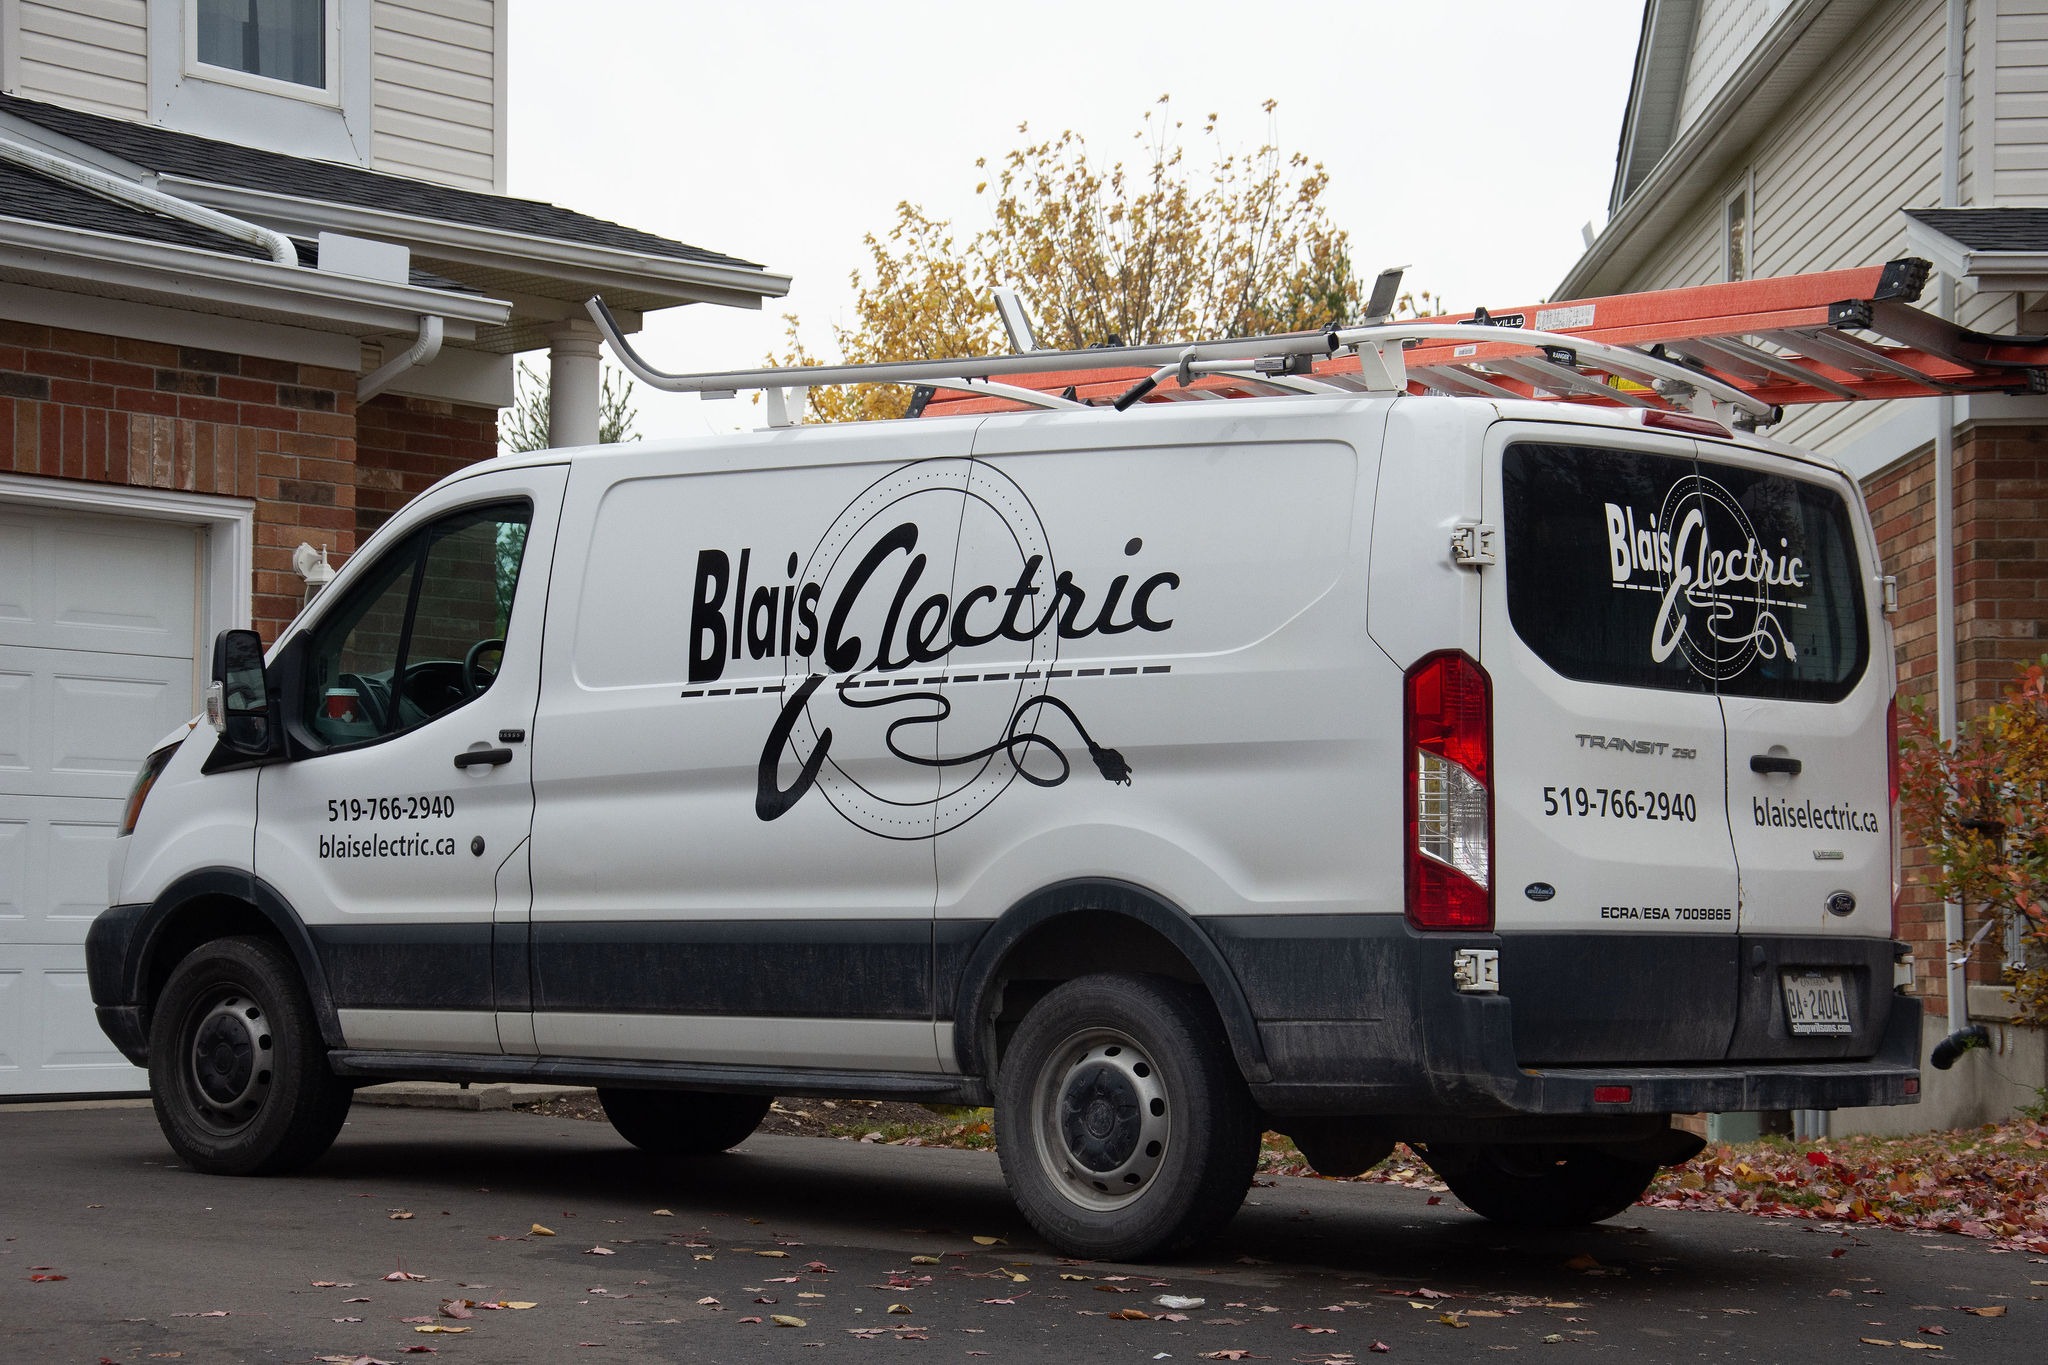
(1735,235)
(283,46)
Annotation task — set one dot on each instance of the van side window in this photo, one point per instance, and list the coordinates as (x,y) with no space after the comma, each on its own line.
(422,632)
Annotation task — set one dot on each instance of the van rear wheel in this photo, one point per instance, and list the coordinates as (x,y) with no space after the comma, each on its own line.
(682,1122)
(1537,1186)
(237,1070)
(1122,1124)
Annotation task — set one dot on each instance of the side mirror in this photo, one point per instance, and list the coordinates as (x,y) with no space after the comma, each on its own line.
(238,702)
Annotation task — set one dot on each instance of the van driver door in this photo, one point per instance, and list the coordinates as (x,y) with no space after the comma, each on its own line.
(398,829)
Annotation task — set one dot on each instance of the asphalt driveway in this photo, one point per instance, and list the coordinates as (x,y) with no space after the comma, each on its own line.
(112,1251)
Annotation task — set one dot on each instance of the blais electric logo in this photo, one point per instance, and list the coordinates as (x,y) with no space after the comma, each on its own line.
(1723,591)
(899,751)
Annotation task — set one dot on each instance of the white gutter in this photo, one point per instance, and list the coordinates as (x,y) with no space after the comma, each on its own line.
(1956,958)
(190,278)
(603,267)
(422,351)
(109,186)
(1993,271)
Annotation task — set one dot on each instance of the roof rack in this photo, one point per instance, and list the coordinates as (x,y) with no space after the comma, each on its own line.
(1738,352)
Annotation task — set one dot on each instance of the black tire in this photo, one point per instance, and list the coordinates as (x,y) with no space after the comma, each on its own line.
(1539,1186)
(1124,1128)
(682,1122)
(237,1069)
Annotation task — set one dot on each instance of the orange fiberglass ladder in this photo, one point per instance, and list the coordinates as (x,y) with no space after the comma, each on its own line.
(1739,352)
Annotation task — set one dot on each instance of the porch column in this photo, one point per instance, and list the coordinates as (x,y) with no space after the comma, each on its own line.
(573,384)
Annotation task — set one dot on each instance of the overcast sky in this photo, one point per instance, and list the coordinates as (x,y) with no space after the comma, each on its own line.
(1468,139)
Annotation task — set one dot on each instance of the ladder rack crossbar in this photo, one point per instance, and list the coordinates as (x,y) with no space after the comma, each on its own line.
(1167,360)
(935,371)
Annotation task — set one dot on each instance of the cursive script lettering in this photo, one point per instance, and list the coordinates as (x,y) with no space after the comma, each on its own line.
(919,625)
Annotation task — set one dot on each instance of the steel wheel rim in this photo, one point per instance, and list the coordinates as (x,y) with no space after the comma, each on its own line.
(229,1058)
(1101,1119)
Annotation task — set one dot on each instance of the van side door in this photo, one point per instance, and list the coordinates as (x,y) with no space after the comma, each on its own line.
(733,833)
(410,789)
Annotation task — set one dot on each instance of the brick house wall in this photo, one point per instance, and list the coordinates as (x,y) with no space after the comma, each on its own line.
(2001,491)
(404,445)
(289,437)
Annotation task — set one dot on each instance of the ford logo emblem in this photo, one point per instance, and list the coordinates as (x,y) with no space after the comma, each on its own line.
(1841,903)
(1539,891)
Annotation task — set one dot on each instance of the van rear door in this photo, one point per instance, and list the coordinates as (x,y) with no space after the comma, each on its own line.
(1615,888)
(1783,615)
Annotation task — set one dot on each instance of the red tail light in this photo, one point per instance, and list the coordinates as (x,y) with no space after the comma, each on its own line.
(1449,723)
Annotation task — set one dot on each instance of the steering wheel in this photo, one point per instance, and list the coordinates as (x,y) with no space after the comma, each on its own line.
(475,677)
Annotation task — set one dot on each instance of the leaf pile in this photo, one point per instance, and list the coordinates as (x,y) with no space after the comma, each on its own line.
(1989,1183)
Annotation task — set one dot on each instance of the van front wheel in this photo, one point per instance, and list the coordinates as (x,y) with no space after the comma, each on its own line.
(682,1122)
(1536,1186)
(1122,1124)
(237,1071)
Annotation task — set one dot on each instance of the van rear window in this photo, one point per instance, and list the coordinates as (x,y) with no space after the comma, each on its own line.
(1658,571)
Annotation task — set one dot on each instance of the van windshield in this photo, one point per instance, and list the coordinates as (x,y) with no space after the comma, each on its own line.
(1648,570)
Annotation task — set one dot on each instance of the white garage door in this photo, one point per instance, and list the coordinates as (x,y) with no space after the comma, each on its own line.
(98,616)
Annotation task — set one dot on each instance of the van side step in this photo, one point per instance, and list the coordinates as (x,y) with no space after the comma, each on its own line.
(739,1080)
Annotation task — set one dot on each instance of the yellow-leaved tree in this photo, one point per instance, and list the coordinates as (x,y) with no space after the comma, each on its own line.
(1155,251)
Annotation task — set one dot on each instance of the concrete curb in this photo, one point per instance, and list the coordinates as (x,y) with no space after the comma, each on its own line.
(454,1095)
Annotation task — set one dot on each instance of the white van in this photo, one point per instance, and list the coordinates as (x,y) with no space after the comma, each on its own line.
(1502,777)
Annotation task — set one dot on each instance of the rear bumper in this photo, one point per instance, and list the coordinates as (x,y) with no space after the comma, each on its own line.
(1388,1035)
(1468,1069)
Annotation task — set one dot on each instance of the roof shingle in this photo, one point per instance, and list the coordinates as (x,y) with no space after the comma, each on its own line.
(225,163)
(1989,229)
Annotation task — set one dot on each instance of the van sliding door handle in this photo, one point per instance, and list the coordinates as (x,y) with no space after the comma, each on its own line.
(471,758)
(1774,763)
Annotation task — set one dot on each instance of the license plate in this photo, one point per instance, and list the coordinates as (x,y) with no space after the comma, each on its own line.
(1816,1003)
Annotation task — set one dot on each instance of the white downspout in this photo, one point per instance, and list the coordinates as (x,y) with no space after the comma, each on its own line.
(424,349)
(1957,979)
(109,186)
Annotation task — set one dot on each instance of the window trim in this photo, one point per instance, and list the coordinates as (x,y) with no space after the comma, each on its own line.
(328,95)
(1744,189)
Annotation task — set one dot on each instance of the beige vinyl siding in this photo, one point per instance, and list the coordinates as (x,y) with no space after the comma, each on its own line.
(89,54)
(2019,119)
(1689,256)
(1723,35)
(434,93)
(1830,178)
(1833,175)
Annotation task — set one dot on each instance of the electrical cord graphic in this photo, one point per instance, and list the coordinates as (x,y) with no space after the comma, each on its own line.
(1108,762)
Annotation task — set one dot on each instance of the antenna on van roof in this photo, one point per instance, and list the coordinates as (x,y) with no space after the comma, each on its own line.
(1386,291)
(1016,321)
